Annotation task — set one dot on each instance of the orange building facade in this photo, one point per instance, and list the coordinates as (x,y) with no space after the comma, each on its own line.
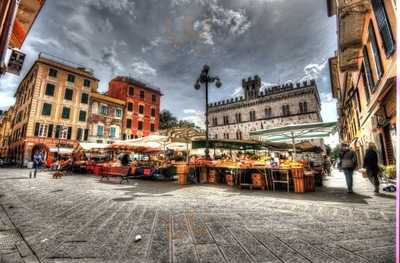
(51,109)
(363,74)
(142,106)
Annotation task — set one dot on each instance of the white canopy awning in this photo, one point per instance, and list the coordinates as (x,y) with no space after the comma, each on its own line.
(89,145)
(61,150)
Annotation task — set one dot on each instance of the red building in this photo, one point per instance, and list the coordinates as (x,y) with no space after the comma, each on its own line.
(142,108)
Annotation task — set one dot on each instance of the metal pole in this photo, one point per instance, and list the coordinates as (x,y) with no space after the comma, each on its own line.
(294,146)
(207,151)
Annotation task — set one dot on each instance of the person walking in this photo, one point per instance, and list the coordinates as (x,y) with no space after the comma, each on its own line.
(37,162)
(348,163)
(371,165)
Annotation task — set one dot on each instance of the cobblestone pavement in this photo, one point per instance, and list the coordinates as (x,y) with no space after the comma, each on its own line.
(80,219)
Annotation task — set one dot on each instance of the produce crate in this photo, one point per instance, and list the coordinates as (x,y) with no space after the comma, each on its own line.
(309,181)
(229,179)
(213,176)
(203,175)
(182,169)
(258,180)
(298,180)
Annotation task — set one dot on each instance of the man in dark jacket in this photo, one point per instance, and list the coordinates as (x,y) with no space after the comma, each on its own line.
(348,163)
(371,165)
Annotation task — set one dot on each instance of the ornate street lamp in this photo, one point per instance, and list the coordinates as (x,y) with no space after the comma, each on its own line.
(205,78)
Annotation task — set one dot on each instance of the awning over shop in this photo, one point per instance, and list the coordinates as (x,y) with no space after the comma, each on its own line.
(61,150)
(306,131)
(89,146)
(291,133)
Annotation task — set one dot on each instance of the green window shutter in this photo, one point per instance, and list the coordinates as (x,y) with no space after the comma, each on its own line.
(68,94)
(79,134)
(37,129)
(50,131)
(58,131)
(375,49)
(82,115)
(368,71)
(84,98)
(384,26)
(69,133)
(46,110)
(49,89)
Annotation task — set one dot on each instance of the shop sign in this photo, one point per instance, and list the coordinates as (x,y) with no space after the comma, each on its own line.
(15,62)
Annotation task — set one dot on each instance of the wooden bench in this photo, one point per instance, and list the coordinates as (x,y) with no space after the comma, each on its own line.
(117,171)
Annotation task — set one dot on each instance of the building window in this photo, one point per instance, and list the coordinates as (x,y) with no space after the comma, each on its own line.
(40,130)
(46,110)
(131,91)
(375,51)
(128,123)
(113,132)
(104,109)
(153,98)
(215,121)
(79,134)
(226,135)
(53,73)
(100,130)
(153,112)
(85,98)
(268,113)
(152,128)
(140,125)
(252,115)
(49,89)
(303,107)
(285,110)
(86,83)
(226,120)
(82,115)
(65,112)
(142,94)
(141,109)
(238,117)
(68,94)
(238,135)
(71,78)
(130,106)
(368,71)
(118,113)
(384,26)
(365,83)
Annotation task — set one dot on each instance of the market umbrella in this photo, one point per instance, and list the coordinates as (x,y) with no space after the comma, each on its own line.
(291,133)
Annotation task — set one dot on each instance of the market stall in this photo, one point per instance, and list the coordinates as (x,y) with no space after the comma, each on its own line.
(303,133)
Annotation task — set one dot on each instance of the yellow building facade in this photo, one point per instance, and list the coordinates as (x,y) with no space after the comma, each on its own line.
(51,109)
(363,74)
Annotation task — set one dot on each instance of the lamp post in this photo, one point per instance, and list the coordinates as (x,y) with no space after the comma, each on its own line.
(205,78)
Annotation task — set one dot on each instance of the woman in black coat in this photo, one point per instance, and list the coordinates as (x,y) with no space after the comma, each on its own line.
(371,165)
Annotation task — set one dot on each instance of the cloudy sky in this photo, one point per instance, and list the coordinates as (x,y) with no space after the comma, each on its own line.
(166,43)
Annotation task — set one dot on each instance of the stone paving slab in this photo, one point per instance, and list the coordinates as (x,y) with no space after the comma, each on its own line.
(81,219)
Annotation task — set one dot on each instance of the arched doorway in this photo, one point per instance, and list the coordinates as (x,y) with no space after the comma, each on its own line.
(41,148)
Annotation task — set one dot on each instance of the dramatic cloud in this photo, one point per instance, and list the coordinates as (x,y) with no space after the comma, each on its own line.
(142,69)
(166,43)
(313,71)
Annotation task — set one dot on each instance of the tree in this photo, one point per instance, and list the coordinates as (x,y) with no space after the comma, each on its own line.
(328,149)
(335,152)
(167,120)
